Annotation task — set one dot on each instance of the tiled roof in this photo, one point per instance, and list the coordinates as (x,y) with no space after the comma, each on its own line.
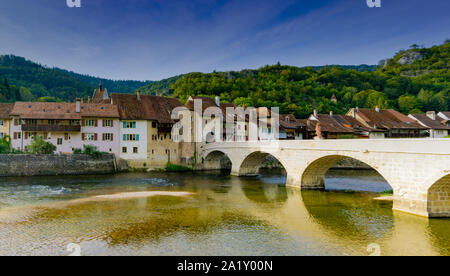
(100,95)
(430,123)
(147,108)
(5,110)
(62,111)
(331,125)
(387,119)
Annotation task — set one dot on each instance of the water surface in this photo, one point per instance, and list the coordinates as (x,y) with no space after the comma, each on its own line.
(225,215)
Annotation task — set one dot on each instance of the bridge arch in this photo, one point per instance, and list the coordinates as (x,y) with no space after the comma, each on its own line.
(438,196)
(253,162)
(313,177)
(217,160)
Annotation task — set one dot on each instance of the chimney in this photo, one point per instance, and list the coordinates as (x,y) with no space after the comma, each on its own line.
(377,109)
(315,113)
(331,113)
(218,101)
(78,105)
(353,113)
(357,109)
(138,95)
(431,115)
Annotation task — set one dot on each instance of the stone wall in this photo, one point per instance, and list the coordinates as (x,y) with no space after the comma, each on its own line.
(46,165)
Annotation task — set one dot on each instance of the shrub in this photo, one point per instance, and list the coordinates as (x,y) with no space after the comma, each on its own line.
(89,150)
(176,168)
(5,145)
(39,146)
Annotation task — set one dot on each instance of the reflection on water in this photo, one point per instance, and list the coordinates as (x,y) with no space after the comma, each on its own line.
(225,216)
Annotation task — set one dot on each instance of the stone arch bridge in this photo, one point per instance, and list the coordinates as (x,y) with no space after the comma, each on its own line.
(418,170)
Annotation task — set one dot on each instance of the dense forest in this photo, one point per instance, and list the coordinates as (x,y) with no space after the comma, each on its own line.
(414,81)
(29,81)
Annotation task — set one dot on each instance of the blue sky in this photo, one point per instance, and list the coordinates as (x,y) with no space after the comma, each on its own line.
(155,39)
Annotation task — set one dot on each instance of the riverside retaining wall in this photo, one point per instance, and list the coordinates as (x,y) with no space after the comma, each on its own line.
(46,165)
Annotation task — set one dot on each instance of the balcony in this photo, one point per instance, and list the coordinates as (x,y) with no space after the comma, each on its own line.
(51,128)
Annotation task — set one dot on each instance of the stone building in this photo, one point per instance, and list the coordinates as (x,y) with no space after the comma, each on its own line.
(145,130)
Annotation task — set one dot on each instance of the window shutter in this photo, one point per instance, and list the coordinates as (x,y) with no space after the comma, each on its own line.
(95,137)
(66,136)
(103,135)
(15,135)
(83,136)
(124,124)
(112,123)
(112,137)
(45,135)
(83,122)
(124,137)
(26,135)
(16,122)
(96,123)
(134,124)
(137,137)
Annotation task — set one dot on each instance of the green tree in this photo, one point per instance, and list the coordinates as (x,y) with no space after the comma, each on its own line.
(407,103)
(5,145)
(39,146)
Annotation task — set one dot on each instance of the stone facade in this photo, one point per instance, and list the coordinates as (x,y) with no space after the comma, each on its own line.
(416,169)
(47,165)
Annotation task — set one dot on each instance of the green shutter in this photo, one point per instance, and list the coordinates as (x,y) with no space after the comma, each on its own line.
(124,124)
(134,124)
(137,137)
(124,137)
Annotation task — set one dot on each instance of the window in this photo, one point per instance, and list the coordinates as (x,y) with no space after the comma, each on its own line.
(59,141)
(90,123)
(2,135)
(17,135)
(153,124)
(108,123)
(135,150)
(107,137)
(2,123)
(124,150)
(131,137)
(89,137)
(129,124)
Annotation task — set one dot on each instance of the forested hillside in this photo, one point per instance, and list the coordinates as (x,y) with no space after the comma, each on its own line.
(415,80)
(36,82)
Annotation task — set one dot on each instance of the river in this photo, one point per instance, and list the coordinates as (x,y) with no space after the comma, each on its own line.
(221,215)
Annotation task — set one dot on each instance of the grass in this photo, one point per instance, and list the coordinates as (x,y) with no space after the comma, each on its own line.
(177,168)
(387,193)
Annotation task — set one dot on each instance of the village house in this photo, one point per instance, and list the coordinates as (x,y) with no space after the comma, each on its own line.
(393,123)
(5,120)
(445,115)
(438,127)
(145,130)
(68,126)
